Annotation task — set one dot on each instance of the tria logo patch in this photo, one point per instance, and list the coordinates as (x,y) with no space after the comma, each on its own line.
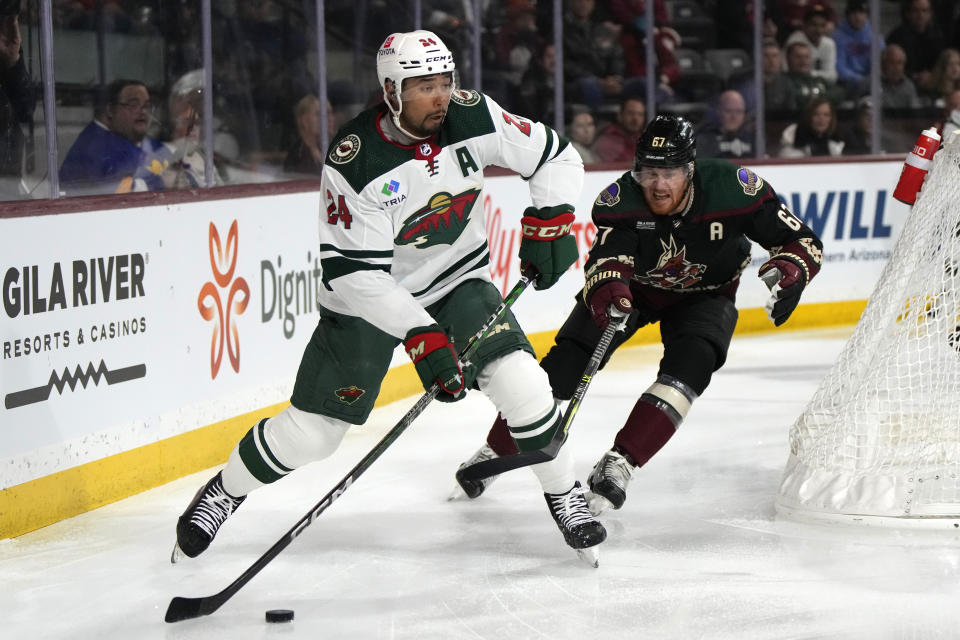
(440,222)
(390,187)
(349,394)
(673,270)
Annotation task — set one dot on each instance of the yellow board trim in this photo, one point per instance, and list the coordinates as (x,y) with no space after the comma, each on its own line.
(38,503)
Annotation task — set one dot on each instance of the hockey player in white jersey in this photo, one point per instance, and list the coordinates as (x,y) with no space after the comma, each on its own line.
(404,256)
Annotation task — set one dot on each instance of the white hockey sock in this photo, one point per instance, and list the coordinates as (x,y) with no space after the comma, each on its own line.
(557,475)
(237,480)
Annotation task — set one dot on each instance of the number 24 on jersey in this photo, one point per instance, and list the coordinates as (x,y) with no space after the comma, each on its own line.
(337,210)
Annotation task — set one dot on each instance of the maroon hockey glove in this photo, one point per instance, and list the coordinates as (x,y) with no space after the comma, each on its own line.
(436,361)
(786,280)
(546,244)
(608,284)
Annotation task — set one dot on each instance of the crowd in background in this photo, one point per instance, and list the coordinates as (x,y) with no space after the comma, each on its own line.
(130,113)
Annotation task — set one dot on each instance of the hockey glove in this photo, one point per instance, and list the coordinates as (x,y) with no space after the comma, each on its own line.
(608,283)
(435,361)
(547,245)
(786,280)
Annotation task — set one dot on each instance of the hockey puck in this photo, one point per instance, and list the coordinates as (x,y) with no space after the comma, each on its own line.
(280,615)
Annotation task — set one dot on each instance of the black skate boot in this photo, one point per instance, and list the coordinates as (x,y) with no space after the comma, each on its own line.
(580,529)
(199,524)
(608,482)
(473,488)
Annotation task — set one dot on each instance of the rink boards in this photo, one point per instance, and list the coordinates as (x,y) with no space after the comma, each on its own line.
(140,343)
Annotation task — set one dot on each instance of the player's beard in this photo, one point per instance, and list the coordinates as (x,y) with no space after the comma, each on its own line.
(429,125)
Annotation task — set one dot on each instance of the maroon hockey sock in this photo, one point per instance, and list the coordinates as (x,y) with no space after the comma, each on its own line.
(500,439)
(646,431)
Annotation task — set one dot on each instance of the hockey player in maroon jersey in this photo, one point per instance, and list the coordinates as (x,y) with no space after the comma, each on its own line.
(672,242)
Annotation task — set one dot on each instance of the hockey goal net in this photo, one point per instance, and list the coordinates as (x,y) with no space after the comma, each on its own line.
(879,442)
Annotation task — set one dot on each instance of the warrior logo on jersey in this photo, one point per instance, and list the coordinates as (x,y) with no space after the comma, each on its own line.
(440,222)
(751,182)
(609,196)
(673,270)
(346,150)
(465,97)
(349,394)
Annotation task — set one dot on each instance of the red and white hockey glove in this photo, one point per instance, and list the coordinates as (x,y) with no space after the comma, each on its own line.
(786,280)
(546,243)
(435,361)
(608,284)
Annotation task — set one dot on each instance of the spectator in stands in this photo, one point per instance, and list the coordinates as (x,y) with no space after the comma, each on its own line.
(306,155)
(805,86)
(951,115)
(899,91)
(185,143)
(857,137)
(516,46)
(535,95)
(853,37)
(823,50)
(946,77)
(633,16)
(17,100)
(617,141)
(583,133)
(790,13)
(727,134)
(778,92)
(114,153)
(593,60)
(921,41)
(815,134)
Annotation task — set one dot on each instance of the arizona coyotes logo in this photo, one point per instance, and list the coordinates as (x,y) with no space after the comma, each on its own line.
(349,394)
(673,270)
(440,222)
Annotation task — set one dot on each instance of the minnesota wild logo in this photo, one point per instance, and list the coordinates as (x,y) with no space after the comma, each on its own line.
(440,222)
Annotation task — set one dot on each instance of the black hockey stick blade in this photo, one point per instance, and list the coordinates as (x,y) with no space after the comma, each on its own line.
(187,608)
(496,466)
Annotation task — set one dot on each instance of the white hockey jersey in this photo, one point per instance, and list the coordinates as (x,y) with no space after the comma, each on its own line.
(401,226)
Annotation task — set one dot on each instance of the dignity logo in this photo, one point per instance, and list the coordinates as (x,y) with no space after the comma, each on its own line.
(223,262)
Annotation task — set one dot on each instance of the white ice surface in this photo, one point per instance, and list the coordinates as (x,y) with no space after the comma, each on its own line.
(697,552)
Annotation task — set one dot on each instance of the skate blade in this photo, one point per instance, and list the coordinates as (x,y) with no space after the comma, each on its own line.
(590,555)
(457,494)
(177,554)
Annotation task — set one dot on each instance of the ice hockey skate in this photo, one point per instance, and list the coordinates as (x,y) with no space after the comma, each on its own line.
(473,488)
(580,529)
(608,482)
(199,524)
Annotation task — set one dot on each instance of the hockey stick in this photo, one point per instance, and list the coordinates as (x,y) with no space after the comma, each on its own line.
(186,608)
(496,466)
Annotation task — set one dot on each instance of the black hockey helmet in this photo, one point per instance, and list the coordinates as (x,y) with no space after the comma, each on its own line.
(666,142)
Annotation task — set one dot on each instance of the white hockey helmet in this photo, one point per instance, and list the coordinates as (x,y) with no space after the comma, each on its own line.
(411,54)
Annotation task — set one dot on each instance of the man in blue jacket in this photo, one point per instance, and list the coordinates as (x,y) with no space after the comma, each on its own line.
(114,154)
(852,37)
